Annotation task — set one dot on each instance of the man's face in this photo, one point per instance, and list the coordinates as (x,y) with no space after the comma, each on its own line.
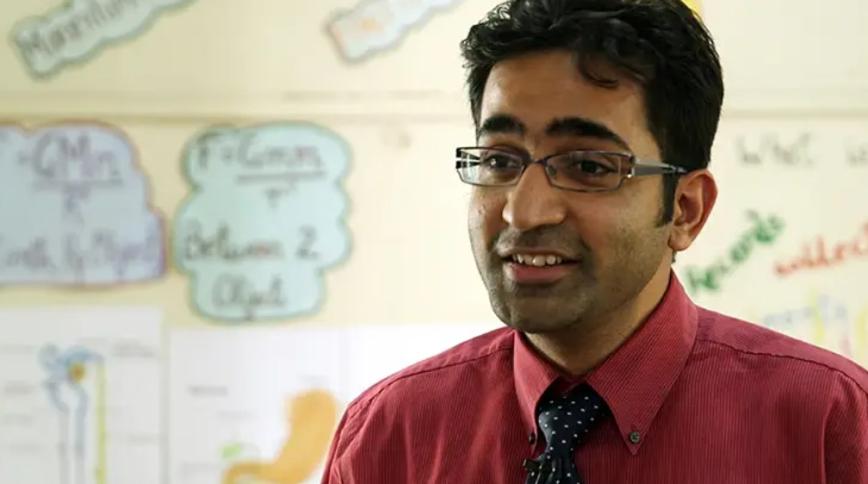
(606,246)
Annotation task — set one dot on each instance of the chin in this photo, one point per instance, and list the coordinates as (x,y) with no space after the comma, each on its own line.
(540,327)
(536,322)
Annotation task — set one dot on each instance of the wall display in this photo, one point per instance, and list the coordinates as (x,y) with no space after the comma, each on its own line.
(75,208)
(264,221)
(80,29)
(787,244)
(260,405)
(696,5)
(81,396)
(377,25)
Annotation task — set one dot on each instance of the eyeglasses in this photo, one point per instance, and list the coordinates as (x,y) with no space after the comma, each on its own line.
(580,170)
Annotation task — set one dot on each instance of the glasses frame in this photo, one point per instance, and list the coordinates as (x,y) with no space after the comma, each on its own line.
(637,167)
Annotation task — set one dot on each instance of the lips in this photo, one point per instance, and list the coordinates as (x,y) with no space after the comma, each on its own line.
(537,267)
(539,260)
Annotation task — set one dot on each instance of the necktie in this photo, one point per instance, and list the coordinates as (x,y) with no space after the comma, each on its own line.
(564,421)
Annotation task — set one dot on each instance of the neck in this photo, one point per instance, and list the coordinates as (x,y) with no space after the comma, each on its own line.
(578,350)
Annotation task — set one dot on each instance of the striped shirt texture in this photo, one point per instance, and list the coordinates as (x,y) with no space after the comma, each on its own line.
(695,397)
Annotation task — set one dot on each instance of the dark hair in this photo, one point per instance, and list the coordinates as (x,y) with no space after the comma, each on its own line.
(661,44)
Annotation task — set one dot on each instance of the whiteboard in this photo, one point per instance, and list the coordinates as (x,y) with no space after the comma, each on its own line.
(787,245)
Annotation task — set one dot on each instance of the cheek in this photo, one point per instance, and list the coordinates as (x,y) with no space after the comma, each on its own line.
(594,219)
(612,225)
(484,218)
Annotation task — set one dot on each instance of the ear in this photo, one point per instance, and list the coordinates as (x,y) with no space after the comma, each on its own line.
(694,199)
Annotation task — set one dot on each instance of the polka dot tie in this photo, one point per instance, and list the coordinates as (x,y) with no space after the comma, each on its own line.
(564,421)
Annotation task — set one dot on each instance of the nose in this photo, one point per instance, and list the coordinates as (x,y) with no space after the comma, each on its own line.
(533,202)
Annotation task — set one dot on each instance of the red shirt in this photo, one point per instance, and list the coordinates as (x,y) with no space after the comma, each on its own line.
(696,397)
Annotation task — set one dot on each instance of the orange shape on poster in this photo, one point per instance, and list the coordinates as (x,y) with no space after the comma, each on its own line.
(311,418)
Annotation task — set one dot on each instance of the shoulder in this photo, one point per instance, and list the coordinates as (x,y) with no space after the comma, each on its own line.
(437,379)
(774,355)
(482,350)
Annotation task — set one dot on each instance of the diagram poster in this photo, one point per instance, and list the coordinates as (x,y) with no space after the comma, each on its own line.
(75,208)
(260,405)
(80,396)
(264,221)
(253,405)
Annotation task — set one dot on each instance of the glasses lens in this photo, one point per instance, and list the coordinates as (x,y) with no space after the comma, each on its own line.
(484,166)
(587,170)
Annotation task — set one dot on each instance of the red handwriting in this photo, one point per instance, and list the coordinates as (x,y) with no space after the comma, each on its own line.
(819,254)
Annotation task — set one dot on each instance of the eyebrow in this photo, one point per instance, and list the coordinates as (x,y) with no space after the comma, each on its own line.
(584,128)
(570,126)
(501,124)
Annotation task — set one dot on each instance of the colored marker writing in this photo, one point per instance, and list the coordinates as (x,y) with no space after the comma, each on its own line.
(820,254)
(763,231)
(772,149)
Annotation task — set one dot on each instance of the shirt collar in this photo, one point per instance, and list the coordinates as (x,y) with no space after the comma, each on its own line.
(634,380)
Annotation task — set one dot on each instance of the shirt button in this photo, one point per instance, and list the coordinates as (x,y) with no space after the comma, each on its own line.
(635,437)
(531,438)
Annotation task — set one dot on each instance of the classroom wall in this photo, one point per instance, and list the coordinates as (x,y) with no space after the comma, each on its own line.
(392,269)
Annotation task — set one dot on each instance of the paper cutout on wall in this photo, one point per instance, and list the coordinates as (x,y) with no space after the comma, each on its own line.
(81,396)
(696,5)
(80,29)
(377,25)
(74,208)
(265,219)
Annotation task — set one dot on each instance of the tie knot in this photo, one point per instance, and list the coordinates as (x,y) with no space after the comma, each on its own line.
(565,419)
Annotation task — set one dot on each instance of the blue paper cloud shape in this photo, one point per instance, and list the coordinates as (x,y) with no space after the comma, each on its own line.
(266,218)
(75,208)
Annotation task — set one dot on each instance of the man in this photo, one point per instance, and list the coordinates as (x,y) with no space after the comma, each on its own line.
(595,120)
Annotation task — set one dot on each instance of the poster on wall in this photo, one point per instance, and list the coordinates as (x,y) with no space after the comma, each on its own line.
(264,221)
(81,396)
(75,208)
(78,30)
(261,405)
(787,244)
(375,26)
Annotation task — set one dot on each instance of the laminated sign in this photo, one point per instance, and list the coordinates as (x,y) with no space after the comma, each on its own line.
(265,219)
(79,29)
(75,209)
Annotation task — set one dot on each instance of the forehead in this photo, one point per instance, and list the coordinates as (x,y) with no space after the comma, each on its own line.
(540,87)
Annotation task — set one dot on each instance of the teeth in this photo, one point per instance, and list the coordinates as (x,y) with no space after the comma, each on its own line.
(537,260)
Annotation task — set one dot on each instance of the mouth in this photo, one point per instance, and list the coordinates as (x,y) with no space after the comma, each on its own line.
(537,268)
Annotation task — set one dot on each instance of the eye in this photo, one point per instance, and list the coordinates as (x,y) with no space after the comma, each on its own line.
(496,160)
(590,163)
(591,167)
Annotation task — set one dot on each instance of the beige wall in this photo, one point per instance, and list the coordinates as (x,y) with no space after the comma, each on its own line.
(402,111)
